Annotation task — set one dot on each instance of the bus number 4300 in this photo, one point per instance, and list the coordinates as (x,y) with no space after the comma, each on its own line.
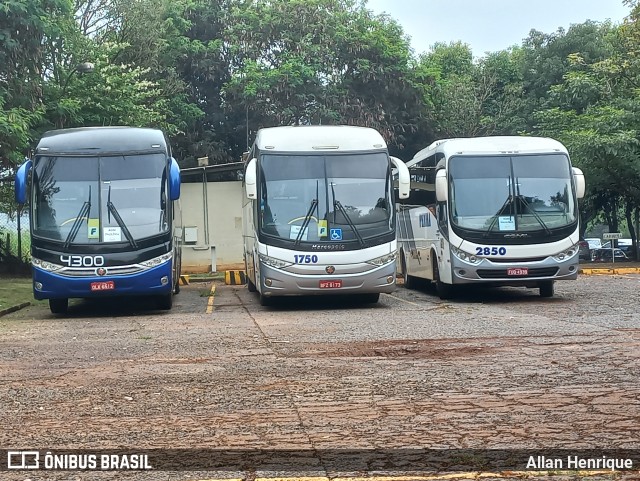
(82,261)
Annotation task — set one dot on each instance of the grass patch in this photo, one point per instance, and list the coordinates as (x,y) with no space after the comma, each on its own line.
(14,291)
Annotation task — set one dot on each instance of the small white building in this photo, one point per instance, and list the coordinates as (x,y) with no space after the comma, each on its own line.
(212,220)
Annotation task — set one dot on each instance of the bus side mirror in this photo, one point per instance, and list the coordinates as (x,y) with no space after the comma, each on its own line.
(441,186)
(174,180)
(580,184)
(21,181)
(404,179)
(250,186)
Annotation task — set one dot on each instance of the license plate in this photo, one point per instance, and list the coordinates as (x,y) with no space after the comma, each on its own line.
(103,286)
(518,271)
(337,284)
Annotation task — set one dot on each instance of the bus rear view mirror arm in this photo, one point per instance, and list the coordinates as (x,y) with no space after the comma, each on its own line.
(250,180)
(404,179)
(580,184)
(21,181)
(441,185)
(174,180)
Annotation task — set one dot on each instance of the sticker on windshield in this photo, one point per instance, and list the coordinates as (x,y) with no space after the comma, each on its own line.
(506,223)
(93,226)
(335,234)
(322,228)
(111,234)
(295,231)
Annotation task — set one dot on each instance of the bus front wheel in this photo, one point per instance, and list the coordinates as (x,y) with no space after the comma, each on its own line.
(165,302)
(445,291)
(58,306)
(409,281)
(370,298)
(546,289)
(265,301)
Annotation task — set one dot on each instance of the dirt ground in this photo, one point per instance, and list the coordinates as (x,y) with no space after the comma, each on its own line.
(330,387)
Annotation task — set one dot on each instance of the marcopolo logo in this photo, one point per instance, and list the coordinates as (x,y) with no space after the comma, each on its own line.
(23,460)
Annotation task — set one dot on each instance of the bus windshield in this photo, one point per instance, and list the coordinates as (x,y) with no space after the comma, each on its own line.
(90,200)
(325,198)
(524,193)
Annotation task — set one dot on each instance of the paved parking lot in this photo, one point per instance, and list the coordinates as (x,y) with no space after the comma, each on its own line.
(499,369)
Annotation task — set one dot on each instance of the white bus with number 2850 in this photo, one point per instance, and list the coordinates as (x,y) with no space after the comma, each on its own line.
(499,211)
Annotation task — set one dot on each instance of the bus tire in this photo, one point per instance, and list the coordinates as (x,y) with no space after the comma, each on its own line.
(165,302)
(176,288)
(445,291)
(251,287)
(265,301)
(58,306)
(409,281)
(546,289)
(371,298)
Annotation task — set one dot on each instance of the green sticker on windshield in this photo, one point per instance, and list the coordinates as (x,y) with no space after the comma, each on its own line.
(93,226)
(322,228)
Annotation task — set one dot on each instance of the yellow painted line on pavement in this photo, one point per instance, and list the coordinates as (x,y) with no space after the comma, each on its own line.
(210,301)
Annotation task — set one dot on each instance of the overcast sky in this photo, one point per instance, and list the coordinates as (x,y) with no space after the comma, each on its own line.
(491,25)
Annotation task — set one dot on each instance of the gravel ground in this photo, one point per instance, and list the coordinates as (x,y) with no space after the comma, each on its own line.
(499,369)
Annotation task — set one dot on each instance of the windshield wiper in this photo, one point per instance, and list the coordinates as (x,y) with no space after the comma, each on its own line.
(307,218)
(75,227)
(338,204)
(116,216)
(497,214)
(535,214)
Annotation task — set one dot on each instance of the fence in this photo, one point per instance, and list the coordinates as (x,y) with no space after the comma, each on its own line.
(15,243)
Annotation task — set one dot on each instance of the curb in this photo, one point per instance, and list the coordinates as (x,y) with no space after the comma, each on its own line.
(235,278)
(11,309)
(609,271)
(184,280)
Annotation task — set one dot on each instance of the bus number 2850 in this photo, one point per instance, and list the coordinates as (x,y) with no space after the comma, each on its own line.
(491,251)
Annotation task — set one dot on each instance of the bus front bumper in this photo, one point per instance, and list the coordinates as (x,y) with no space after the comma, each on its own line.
(275,282)
(153,281)
(514,273)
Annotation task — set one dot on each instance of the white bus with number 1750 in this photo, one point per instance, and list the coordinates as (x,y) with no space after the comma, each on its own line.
(319,214)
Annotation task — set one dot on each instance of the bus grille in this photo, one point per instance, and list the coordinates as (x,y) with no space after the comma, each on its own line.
(91,271)
(502,273)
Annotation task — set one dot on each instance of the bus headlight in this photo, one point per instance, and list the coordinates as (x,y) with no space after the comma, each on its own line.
(382,260)
(465,256)
(44,265)
(156,261)
(568,254)
(273,262)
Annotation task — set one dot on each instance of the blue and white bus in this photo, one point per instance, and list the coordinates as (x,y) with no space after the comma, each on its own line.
(104,216)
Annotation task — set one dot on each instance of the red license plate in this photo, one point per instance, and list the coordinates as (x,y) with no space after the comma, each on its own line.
(337,284)
(518,271)
(103,286)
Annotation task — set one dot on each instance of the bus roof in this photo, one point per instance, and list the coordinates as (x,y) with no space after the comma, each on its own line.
(102,140)
(306,138)
(489,145)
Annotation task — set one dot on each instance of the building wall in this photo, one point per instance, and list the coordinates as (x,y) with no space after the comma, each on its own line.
(221,249)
